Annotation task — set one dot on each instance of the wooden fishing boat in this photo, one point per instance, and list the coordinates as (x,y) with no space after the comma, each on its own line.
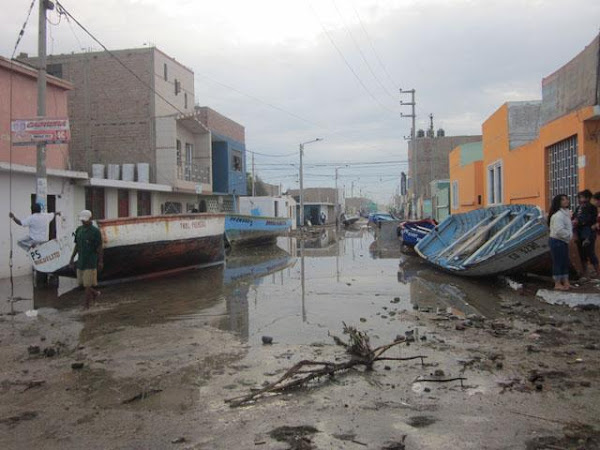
(411,232)
(142,246)
(242,229)
(485,242)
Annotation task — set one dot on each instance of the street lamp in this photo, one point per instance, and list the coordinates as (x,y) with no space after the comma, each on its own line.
(302,178)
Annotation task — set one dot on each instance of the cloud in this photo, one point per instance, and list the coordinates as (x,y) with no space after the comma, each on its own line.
(464,58)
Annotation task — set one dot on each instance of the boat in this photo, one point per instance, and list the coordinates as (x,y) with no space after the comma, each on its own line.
(138,247)
(247,230)
(487,242)
(411,232)
(348,221)
(244,267)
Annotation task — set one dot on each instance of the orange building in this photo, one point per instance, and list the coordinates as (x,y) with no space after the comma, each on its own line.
(466,177)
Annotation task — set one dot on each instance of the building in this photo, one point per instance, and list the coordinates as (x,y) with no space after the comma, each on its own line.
(273,206)
(17,164)
(440,199)
(466,177)
(318,201)
(228,152)
(428,161)
(359,205)
(143,117)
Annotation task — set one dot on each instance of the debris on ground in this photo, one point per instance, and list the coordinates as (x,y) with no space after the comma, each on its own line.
(141,396)
(13,421)
(297,437)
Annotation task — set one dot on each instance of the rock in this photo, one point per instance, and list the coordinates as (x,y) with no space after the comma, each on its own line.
(427,390)
(396,300)
(532,349)
(267,340)
(591,347)
(499,365)
(49,352)
(439,373)
(585,383)
(539,387)
(77,366)
(460,327)
(387,368)
(362,319)
(423,338)
(399,338)
(179,440)
(383,316)
(33,350)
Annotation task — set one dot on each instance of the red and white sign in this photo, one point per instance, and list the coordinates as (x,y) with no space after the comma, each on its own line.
(44,130)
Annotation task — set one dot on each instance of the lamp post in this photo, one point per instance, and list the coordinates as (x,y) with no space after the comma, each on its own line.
(302,178)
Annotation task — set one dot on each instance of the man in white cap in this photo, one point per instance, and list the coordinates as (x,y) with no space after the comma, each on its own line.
(88,245)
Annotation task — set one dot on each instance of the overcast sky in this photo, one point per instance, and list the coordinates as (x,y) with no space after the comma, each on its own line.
(291,71)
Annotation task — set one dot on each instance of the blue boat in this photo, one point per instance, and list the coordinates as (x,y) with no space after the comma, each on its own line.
(486,242)
(241,229)
(413,231)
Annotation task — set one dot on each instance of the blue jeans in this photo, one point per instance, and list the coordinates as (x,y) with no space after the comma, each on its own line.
(560,259)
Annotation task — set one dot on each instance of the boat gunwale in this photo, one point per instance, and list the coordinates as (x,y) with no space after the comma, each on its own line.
(257,217)
(157,218)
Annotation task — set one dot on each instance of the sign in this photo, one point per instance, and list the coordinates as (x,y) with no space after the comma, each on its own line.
(198,188)
(44,130)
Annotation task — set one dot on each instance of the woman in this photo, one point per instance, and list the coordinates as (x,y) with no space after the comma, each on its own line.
(561,233)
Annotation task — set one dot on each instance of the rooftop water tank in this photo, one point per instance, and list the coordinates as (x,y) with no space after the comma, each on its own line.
(114,172)
(128,172)
(143,172)
(97,170)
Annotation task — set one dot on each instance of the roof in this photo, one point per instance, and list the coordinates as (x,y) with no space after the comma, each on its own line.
(120,184)
(19,168)
(32,72)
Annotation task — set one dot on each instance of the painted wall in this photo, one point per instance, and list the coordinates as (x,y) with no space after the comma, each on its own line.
(23,185)
(225,178)
(24,105)
(466,168)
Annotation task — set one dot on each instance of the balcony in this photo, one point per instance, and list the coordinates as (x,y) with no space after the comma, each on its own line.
(194,173)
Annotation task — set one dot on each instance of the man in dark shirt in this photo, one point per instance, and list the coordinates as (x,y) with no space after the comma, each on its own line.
(585,217)
(88,245)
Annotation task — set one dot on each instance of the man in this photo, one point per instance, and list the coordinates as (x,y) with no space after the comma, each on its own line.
(88,245)
(585,217)
(37,223)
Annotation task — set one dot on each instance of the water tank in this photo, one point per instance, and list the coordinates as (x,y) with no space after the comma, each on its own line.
(128,172)
(430,133)
(97,170)
(143,172)
(441,132)
(114,172)
(421,133)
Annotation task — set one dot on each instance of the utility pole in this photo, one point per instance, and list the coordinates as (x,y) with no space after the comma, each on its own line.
(253,180)
(336,208)
(41,182)
(302,178)
(352,189)
(413,131)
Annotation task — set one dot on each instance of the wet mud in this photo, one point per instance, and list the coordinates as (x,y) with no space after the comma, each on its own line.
(151,363)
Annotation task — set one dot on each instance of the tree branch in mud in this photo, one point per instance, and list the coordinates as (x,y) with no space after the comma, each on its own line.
(303,372)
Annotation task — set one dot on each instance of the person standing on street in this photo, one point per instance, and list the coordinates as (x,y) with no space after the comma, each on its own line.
(561,233)
(37,223)
(88,245)
(586,216)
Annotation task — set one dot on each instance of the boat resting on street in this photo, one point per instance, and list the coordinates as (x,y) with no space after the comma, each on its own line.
(487,242)
(411,232)
(242,229)
(138,247)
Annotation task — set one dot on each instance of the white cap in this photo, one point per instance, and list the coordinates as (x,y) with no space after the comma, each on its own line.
(85,215)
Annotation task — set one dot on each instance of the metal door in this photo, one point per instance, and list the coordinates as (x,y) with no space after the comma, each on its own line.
(562,169)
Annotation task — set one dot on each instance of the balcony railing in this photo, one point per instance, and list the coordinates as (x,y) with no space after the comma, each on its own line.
(193,172)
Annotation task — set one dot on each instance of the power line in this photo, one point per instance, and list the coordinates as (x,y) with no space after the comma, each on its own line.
(22,32)
(373,48)
(364,58)
(339,51)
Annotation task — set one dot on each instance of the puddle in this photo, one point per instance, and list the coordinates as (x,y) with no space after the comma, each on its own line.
(296,292)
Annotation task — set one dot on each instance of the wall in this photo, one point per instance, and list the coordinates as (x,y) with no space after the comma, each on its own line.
(573,86)
(220,166)
(466,167)
(23,185)
(265,206)
(24,105)
(166,88)
(221,125)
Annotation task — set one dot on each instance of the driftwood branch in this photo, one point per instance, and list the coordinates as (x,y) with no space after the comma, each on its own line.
(303,372)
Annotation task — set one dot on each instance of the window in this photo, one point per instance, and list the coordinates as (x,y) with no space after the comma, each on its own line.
(123,202)
(171,208)
(563,168)
(455,197)
(144,205)
(178,148)
(165,72)
(276,203)
(94,201)
(494,183)
(189,151)
(185,100)
(177,87)
(56,70)
(236,161)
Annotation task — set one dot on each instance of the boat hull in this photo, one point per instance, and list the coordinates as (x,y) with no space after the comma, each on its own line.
(412,232)
(138,247)
(243,230)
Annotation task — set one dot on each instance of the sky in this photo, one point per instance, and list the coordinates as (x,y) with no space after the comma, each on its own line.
(291,71)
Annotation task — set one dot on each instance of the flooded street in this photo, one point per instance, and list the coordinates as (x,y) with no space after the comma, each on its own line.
(152,363)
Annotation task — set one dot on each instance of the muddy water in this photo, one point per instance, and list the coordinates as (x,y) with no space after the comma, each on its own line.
(295,292)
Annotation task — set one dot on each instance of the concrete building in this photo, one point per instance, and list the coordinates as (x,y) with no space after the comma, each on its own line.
(466,177)
(428,161)
(271,206)
(358,205)
(17,164)
(317,201)
(228,151)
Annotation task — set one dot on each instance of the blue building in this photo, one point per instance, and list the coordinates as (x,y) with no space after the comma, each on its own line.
(228,152)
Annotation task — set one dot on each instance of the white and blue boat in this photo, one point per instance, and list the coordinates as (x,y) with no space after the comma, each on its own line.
(241,229)
(487,242)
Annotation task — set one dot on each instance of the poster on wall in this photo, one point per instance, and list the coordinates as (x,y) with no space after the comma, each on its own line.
(37,131)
